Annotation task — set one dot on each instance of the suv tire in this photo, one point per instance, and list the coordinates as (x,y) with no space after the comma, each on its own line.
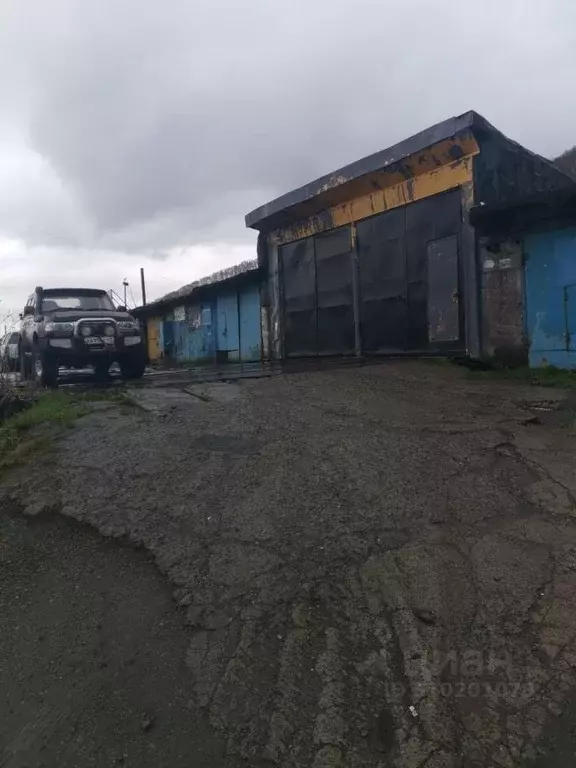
(44,368)
(132,367)
(25,365)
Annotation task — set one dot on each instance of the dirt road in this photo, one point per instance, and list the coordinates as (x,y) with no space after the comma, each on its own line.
(377,566)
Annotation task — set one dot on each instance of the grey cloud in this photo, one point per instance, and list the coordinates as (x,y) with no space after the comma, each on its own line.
(167,121)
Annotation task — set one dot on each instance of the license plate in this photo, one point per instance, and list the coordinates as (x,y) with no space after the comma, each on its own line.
(99,341)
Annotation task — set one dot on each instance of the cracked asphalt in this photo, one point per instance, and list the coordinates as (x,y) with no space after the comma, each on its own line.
(377,566)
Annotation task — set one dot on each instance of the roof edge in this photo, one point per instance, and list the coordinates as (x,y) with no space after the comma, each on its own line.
(485,217)
(229,274)
(376,161)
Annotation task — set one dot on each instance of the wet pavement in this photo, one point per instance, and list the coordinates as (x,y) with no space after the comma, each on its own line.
(377,565)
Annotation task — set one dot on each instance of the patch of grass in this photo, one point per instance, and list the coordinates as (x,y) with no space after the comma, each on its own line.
(539,377)
(550,376)
(55,410)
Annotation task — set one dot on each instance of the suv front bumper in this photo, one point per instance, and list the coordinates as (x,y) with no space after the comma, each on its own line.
(76,348)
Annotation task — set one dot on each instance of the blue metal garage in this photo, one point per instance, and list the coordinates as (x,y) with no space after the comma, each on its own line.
(216,319)
(551,297)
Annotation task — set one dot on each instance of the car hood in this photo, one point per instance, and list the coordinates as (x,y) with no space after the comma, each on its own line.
(71,315)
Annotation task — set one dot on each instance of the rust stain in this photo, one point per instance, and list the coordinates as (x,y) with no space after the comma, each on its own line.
(468,194)
(335,181)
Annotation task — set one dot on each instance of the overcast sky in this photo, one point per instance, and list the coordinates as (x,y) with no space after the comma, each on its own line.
(139,133)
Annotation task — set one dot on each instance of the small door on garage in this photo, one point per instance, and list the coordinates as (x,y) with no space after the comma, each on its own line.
(154,338)
(250,336)
(443,297)
(383,287)
(334,292)
(227,336)
(433,229)
(299,288)
(169,339)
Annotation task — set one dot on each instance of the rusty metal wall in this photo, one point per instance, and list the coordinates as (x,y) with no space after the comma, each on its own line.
(503,320)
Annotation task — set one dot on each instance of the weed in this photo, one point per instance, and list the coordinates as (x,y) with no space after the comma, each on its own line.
(54,410)
(539,377)
(549,376)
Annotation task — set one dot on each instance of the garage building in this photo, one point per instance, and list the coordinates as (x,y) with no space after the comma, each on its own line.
(379,256)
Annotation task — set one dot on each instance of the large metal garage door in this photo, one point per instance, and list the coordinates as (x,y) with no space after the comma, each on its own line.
(383,283)
(317,295)
(408,262)
(409,282)
(299,286)
(335,297)
(433,229)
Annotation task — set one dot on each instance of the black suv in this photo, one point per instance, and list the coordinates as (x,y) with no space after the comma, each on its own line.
(76,327)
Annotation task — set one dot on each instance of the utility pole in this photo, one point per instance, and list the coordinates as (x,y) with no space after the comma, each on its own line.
(142,282)
(125,284)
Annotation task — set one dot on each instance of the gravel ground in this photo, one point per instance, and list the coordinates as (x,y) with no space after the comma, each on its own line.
(377,565)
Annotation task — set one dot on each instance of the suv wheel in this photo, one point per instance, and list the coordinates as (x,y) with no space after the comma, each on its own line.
(44,369)
(25,365)
(132,367)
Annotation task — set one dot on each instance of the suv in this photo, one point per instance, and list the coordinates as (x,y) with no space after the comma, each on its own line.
(76,327)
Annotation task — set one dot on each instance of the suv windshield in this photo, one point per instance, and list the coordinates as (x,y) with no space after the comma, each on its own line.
(88,301)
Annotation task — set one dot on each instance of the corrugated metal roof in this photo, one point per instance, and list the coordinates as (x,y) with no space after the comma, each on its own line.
(186,291)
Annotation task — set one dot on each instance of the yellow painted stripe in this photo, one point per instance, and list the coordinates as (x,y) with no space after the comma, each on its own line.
(410,190)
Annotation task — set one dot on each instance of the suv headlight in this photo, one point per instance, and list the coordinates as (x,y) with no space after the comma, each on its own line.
(128,325)
(52,327)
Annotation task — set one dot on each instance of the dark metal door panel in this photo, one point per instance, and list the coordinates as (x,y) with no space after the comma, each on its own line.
(334,292)
(382,277)
(299,293)
(443,301)
(431,219)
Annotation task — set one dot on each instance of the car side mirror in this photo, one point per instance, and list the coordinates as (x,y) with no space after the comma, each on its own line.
(29,310)
(121,308)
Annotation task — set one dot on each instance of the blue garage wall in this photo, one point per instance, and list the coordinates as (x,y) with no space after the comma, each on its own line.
(192,338)
(227,325)
(250,334)
(201,342)
(551,297)
(228,322)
